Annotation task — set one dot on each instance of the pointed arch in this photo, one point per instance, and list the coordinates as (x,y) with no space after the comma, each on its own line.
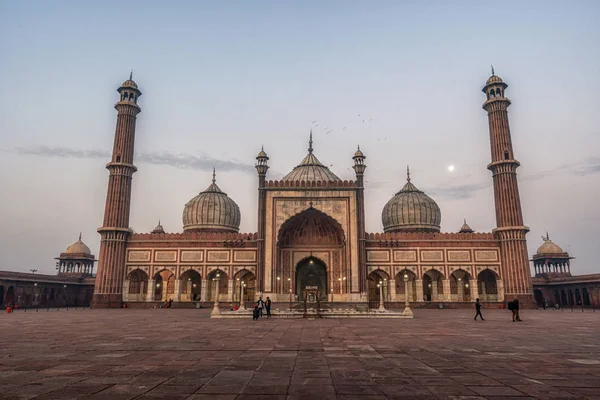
(311,227)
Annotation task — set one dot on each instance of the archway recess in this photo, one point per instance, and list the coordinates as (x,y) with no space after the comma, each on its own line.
(311,227)
(311,273)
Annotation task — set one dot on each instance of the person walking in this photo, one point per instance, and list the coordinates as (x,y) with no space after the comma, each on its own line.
(478,309)
(261,305)
(515,311)
(268,307)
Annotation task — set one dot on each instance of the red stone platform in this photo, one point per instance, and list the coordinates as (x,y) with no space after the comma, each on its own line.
(183,354)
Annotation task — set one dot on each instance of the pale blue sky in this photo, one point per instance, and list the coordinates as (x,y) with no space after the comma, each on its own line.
(220,79)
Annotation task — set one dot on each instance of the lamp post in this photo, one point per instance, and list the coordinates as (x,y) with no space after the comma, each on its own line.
(380,285)
(242,303)
(290,290)
(215,310)
(407,310)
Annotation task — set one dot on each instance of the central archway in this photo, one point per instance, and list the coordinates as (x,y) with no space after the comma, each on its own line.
(311,273)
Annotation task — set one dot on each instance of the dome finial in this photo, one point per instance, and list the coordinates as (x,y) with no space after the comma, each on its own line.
(465,221)
(407,173)
(79,235)
(547,236)
(492,70)
(310,143)
(131,74)
(214,175)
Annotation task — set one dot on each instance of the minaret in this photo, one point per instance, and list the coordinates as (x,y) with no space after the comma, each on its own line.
(108,291)
(359,168)
(261,167)
(510,230)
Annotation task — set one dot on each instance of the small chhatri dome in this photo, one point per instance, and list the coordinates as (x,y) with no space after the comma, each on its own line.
(262,153)
(78,248)
(549,247)
(465,228)
(411,210)
(211,210)
(130,82)
(311,169)
(359,154)
(159,228)
(494,78)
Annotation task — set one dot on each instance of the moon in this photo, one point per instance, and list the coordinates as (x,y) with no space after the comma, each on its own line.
(451,167)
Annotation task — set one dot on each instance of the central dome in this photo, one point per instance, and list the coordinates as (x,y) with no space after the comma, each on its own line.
(311,169)
(411,210)
(212,210)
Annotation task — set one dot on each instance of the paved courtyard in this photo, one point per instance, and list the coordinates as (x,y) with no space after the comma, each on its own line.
(182,354)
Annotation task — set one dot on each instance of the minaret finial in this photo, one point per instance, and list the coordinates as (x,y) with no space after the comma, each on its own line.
(407,173)
(214,175)
(159,222)
(465,220)
(358,147)
(262,148)
(493,70)
(131,74)
(79,235)
(310,143)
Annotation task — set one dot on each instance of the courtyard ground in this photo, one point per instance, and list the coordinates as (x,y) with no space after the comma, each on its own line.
(183,354)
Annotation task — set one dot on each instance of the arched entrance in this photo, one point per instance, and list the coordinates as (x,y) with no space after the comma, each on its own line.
(487,283)
(1,295)
(311,273)
(218,276)
(245,286)
(190,286)
(10,296)
(378,282)
(539,297)
(586,297)
(460,282)
(138,285)
(308,232)
(164,289)
(433,285)
(411,283)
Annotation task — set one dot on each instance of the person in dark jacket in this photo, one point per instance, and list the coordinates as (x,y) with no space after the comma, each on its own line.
(268,307)
(255,313)
(515,311)
(261,305)
(478,309)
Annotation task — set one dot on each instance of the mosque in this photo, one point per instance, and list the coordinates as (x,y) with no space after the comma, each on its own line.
(311,236)
(310,242)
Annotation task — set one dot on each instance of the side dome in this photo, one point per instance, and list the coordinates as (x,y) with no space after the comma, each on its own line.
(212,210)
(311,169)
(411,210)
(78,248)
(549,248)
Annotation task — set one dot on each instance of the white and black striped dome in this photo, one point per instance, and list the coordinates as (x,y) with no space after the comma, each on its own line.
(211,210)
(411,210)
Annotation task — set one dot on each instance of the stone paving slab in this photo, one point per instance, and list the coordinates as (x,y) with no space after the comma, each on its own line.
(183,354)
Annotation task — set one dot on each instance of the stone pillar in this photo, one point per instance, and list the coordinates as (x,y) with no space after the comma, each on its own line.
(126,290)
(434,291)
(461,290)
(474,290)
(230,290)
(151,287)
(203,290)
(392,283)
(177,294)
(419,288)
(164,295)
(500,287)
(446,285)
(483,292)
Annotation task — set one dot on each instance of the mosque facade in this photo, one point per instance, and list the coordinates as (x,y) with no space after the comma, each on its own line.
(311,236)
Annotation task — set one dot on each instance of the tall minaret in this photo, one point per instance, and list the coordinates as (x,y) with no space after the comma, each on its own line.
(359,168)
(510,230)
(108,290)
(262,166)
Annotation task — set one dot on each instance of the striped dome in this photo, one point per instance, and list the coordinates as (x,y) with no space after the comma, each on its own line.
(310,169)
(211,210)
(411,210)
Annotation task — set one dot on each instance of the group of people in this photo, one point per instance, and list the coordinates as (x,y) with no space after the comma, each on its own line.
(261,305)
(512,306)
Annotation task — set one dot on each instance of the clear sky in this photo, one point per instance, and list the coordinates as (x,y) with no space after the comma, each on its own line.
(221,78)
